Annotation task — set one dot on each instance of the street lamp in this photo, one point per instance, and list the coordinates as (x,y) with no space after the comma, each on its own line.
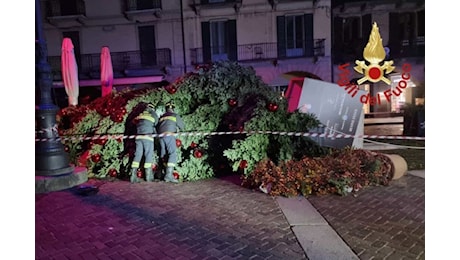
(50,156)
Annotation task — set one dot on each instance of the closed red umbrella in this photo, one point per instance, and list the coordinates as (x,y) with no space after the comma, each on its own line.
(106,71)
(69,70)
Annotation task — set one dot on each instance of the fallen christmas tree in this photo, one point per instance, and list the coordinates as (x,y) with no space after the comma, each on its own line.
(228,111)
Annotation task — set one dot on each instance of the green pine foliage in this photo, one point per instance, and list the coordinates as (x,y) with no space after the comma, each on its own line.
(219,97)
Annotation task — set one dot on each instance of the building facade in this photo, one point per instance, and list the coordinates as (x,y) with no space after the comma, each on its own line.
(157,41)
(401,26)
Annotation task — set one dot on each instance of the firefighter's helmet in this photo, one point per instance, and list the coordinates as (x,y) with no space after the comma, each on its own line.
(150,105)
(170,105)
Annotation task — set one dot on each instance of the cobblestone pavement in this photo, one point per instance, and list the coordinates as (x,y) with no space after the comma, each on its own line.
(207,219)
(386,222)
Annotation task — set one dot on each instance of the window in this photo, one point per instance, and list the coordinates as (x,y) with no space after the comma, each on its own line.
(144,4)
(147,4)
(75,37)
(406,26)
(351,29)
(421,23)
(407,33)
(70,7)
(147,45)
(203,2)
(295,35)
(133,5)
(219,40)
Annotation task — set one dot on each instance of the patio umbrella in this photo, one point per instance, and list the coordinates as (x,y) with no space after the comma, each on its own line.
(106,71)
(69,70)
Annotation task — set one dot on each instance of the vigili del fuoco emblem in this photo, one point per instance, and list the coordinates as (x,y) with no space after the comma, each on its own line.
(374,53)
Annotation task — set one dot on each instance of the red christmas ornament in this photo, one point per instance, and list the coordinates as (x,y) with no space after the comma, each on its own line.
(101,141)
(105,112)
(66,148)
(83,158)
(193,145)
(113,173)
(272,107)
(171,90)
(139,173)
(117,117)
(176,175)
(197,153)
(232,102)
(154,167)
(96,158)
(178,143)
(243,164)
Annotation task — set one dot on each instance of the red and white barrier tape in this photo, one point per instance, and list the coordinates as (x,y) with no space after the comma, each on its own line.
(304,134)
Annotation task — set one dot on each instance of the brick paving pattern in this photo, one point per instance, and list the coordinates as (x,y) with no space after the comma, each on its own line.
(207,219)
(385,222)
(218,219)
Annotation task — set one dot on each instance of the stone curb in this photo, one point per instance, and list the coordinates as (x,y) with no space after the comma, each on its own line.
(316,237)
(418,173)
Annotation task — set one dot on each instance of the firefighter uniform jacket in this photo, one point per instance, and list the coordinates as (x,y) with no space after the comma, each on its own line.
(170,122)
(146,122)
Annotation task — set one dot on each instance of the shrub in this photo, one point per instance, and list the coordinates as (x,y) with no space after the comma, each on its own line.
(339,172)
(218,97)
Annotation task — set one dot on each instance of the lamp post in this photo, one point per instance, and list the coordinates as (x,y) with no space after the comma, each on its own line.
(183,36)
(50,156)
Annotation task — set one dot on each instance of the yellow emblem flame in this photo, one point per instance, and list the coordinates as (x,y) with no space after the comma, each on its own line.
(374,53)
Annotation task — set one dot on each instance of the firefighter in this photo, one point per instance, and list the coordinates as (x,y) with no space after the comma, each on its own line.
(146,123)
(169,123)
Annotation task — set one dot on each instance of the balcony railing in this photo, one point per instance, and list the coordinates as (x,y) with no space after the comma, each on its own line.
(255,51)
(122,63)
(414,48)
(138,5)
(197,5)
(217,2)
(65,8)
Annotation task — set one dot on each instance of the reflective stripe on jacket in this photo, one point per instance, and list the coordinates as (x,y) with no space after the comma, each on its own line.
(147,122)
(170,122)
